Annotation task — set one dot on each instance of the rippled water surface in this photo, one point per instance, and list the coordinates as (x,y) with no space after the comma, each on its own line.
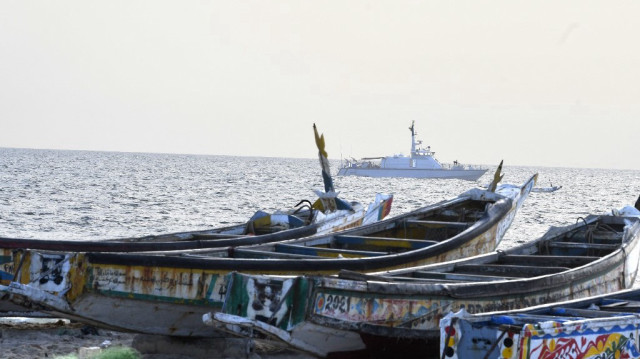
(81,194)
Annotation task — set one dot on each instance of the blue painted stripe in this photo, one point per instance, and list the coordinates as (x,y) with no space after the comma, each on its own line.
(6,275)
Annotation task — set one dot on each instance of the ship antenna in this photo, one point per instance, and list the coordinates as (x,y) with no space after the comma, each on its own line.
(413,141)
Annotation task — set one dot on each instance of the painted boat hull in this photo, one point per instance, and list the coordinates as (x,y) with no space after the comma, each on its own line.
(222,237)
(200,284)
(398,315)
(604,326)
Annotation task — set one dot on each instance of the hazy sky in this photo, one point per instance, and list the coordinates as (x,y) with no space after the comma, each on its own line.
(538,83)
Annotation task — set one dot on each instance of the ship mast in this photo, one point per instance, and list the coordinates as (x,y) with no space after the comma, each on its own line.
(413,141)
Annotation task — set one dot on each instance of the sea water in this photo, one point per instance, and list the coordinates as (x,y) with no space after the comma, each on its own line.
(79,195)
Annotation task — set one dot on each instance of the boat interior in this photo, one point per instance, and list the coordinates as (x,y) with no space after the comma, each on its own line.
(549,255)
(601,308)
(416,231)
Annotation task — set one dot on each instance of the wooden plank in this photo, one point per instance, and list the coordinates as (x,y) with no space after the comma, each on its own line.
(324,252)
(351,275)
(437,223)
(216,235)
(458,276)
(577,312)
(615,303)
(578,245)
(253,254)
(621,306)
(547,260)
(598,236)
(382,242)
(508,270)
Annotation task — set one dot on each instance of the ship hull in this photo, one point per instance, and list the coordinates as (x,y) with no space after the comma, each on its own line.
(469,175)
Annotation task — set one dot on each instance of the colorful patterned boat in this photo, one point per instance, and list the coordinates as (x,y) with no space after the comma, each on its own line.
(599,327)
(170,293)
(398,312)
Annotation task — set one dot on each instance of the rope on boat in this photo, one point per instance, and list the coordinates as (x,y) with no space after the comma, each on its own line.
(589,237)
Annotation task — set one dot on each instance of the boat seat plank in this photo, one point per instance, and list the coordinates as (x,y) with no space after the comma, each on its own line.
(324,252)
(436,223)
(508,270)
(618,310)
(518,320)
(578,245)
(255,254)
(615,302)
(458,276)
(382,242)
(621,306)
(547,260)
(577,312)
(347,274)
(603,236)
(610,303)
(215,235)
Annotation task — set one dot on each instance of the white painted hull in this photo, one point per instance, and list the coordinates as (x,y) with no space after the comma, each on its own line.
(469,175)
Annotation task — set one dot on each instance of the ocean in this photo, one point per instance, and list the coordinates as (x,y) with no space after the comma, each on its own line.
(56,194)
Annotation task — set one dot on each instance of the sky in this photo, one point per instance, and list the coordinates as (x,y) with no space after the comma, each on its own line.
(536,83)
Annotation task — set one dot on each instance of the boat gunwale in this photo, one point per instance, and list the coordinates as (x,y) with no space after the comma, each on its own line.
(494,215)
(146,244)
(491,288)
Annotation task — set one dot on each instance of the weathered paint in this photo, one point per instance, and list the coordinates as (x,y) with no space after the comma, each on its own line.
(267,299)
(49,271)
(6,266)
(466,337)
(413,310)
(421,308)
(157,284)
(108,295)
(326,223)
(423,313)
(192,286)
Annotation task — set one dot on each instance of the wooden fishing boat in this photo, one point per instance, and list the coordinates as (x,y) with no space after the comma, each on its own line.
(104,289)
(604,326)
(399,311)
(261,228)
(327,214)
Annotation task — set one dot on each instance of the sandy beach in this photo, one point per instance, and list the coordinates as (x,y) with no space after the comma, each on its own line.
(22,338)
(27,339)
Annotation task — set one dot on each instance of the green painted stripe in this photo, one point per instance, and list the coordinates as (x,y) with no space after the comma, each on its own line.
(6,259)
(157,298)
